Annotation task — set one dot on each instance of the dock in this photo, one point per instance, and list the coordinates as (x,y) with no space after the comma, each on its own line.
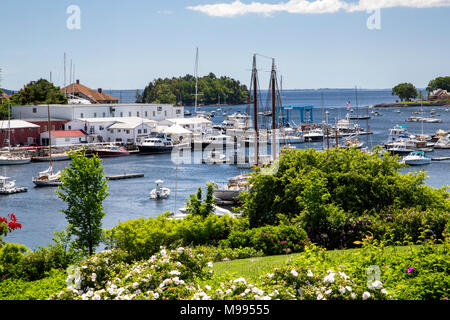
(126,176)
(14,190)
(440,158)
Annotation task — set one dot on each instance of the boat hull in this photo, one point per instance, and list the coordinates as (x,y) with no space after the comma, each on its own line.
(6,162)
(226,195)
(154,149)
(46,183)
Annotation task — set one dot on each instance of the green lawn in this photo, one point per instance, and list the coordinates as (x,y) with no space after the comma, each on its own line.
(253,268)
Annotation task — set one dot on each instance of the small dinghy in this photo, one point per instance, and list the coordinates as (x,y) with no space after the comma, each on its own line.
(159,192)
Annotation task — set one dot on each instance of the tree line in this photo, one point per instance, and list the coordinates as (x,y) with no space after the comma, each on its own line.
(407,91)
(181,91)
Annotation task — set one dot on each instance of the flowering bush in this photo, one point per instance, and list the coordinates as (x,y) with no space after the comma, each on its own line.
(6,227)
(166,275)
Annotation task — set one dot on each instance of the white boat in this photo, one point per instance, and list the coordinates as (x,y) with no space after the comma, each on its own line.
(230,191)
(443,143)
(9,187)
(14,159)
(160,143)
(183,213)
(313,135)
(55,157)
(47,178)
(416,158)
(159,192)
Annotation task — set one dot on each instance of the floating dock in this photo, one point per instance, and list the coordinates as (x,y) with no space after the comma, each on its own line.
(126,176)
(14,190)
(440,158)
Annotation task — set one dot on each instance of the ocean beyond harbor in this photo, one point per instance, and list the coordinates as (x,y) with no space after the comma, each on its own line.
(129,199)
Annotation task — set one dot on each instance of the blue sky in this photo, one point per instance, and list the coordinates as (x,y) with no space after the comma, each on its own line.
(126,44)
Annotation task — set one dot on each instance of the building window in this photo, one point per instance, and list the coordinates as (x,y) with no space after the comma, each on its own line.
(137,114)
(129,114)
(70,127)
(67,139)
(53,127)
(121,114)
(145,130)
(101,128)
(119,130)
(154,114)
(104,114)
(128,131)
(178,111)
(81,115)
(95,114)
(146,114)
(45,128)
(159,109)
(34,110)
(139,131)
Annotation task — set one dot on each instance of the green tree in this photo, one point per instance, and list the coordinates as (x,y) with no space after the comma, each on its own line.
(84,188)
(405,91)
(199,207)
(41,92)
(439,83)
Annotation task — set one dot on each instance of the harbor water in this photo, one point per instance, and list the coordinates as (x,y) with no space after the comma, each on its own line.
(39,209)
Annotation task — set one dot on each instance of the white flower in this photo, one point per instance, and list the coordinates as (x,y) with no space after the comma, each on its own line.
(294,273)
(207,287)
(343,275)
(135,285)
(240,280)
(329,278)
(228,291)
(155,295)
(163,252)
(319,296)
(310,274)
(175,273)
(210,264)
(180,250)
(348,288)
(366,295)
(270,275)
(328,291)
(353,295)
(383,291)
(342,290)
(377,284)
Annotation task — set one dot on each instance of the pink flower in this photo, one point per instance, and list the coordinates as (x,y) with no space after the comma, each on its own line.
(410,270)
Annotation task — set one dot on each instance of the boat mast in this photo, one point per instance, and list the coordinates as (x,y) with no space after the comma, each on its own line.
(255,108)
(196,80)
(49,135)
(274,124)
(9,127)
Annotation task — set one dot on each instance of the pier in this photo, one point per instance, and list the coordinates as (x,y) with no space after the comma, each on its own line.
(126,176)
(440,158)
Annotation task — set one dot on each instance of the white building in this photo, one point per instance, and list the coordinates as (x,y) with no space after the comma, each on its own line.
(64,137)
(196,125)
(155,112)
(113,129)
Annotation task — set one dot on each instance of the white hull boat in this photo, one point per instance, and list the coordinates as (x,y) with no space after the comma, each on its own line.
(9,187)
(48,179)
(159,192)
(416,158)
(14,160)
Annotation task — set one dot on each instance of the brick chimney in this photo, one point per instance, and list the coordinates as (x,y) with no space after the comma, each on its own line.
(100,90)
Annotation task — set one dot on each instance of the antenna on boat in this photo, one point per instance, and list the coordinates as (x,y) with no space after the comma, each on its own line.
(196,80)
(255,108)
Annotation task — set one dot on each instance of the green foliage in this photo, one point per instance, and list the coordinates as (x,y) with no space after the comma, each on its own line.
(326,192)
(268,239)
(439,83)
(182,90)
(84,189)
(41,92)
(405,91)
(17,289)
(225,254)
(198,207)
(143,237)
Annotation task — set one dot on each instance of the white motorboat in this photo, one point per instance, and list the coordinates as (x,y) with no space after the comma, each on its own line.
(313,135)
(47,178)
(159,192)
(443,143)
(9,187)
(160,143)
(416,158)
(230,191)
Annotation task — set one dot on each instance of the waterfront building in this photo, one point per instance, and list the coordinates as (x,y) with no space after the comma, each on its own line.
(55,124)
(113,129)
(77,90)
(64,137)
(439,94)
(195,124)
(156,112)
(20,131)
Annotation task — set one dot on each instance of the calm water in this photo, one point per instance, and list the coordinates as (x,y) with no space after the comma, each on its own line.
(38,209)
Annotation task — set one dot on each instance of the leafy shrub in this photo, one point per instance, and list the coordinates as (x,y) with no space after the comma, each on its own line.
(269,239)
(223,254)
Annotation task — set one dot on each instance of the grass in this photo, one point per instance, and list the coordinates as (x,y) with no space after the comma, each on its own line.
(253,268)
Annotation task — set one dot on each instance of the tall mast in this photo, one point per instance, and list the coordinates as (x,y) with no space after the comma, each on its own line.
(65,89)
(255,108)
(9,127)
(274,124)
(196,80)
(49,135)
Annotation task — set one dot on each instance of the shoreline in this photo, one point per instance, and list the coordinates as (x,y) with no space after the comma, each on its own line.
(445,103)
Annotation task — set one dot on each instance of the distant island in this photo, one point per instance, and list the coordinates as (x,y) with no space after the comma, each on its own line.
(212,90)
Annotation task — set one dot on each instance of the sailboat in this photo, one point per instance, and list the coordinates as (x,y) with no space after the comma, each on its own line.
(47,178)
(10,158)
(358,117)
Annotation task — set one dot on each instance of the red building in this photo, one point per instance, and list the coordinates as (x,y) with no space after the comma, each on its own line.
(20,131)
(56,124)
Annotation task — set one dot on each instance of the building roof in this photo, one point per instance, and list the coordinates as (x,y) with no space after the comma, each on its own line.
(96,96)
(4,95)
(17,124)
(32,120)
(193,120)
(176,129)
(67,133)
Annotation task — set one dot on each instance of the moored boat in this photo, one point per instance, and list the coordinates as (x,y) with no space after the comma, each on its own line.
(156,144)
(9,186)
(110,151)
(416,158)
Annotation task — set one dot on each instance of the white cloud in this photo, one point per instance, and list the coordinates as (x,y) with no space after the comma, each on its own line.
(238,8)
